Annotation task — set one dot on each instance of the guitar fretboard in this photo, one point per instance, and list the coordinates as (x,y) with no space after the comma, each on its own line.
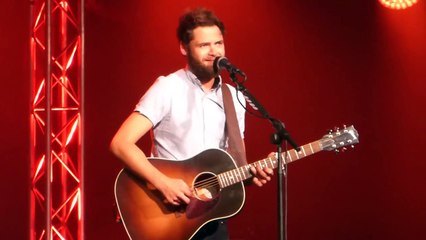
(242,173)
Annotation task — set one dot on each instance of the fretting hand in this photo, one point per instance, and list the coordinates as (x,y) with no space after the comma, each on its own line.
(262,176)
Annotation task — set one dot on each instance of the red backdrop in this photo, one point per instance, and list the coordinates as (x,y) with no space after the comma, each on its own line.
(312,64)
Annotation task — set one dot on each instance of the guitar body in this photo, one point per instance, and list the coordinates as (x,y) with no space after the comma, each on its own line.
(146,215)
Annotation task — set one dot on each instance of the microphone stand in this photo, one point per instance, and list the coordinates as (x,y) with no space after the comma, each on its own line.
(277,138)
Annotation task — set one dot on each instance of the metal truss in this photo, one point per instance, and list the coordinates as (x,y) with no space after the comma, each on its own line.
(57,118)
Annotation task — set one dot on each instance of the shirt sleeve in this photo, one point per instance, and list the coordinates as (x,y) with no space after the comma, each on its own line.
(155,103)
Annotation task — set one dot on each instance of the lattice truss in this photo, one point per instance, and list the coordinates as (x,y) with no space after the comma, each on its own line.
(63,111)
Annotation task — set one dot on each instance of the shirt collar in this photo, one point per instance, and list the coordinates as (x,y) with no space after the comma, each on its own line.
(194,79)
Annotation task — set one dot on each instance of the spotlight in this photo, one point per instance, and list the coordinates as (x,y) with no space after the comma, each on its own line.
(398,4)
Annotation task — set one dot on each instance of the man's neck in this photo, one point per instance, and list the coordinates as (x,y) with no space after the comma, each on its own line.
(207,82)
(208,85)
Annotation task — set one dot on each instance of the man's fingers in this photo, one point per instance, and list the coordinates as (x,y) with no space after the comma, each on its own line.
(259,182)
(184,198)
(269,171)
(263,173)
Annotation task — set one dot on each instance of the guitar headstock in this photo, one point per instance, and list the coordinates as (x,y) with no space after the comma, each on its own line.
(348,136)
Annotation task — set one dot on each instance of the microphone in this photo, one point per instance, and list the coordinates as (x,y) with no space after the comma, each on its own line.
(223,63)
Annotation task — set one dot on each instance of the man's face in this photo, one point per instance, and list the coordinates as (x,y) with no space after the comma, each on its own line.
(206,45)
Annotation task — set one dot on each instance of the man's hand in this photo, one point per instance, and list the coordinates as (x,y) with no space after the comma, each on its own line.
(262,176)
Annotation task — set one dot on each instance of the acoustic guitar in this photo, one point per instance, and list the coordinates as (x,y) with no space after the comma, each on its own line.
(217,185)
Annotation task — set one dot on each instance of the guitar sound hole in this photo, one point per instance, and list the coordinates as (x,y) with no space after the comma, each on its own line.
(206,186)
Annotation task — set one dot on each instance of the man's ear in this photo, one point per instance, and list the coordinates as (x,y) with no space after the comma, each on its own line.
(183,49)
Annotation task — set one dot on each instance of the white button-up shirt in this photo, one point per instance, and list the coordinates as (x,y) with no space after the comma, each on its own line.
(186,119)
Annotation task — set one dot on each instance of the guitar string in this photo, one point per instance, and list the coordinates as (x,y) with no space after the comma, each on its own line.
(268,162)
(288,155)
(208,181)
(213,181)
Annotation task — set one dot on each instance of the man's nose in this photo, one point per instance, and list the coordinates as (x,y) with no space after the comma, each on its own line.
(212,51)
(216,50)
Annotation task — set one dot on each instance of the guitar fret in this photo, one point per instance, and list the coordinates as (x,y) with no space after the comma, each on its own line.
(297,155)
(289,156)
(312,150)
(266,164)
(242,171)
(247,170)
(221,181)
(230,177)
(254,164)
(272,163)
(225,178)
(303,150)
(237,174)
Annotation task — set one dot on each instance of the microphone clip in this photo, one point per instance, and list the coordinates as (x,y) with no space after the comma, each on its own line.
(223,63)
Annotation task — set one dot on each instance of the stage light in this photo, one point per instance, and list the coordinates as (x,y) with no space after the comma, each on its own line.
(398,4)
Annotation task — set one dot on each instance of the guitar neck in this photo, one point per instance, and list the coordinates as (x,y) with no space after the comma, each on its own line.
(242,173)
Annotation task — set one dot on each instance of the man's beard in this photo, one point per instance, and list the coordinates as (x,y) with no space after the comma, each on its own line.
(203,73)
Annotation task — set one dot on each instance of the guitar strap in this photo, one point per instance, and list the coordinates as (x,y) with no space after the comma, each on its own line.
(232,130)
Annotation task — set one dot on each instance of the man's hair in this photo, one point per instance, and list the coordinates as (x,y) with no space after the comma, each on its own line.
(199,17)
